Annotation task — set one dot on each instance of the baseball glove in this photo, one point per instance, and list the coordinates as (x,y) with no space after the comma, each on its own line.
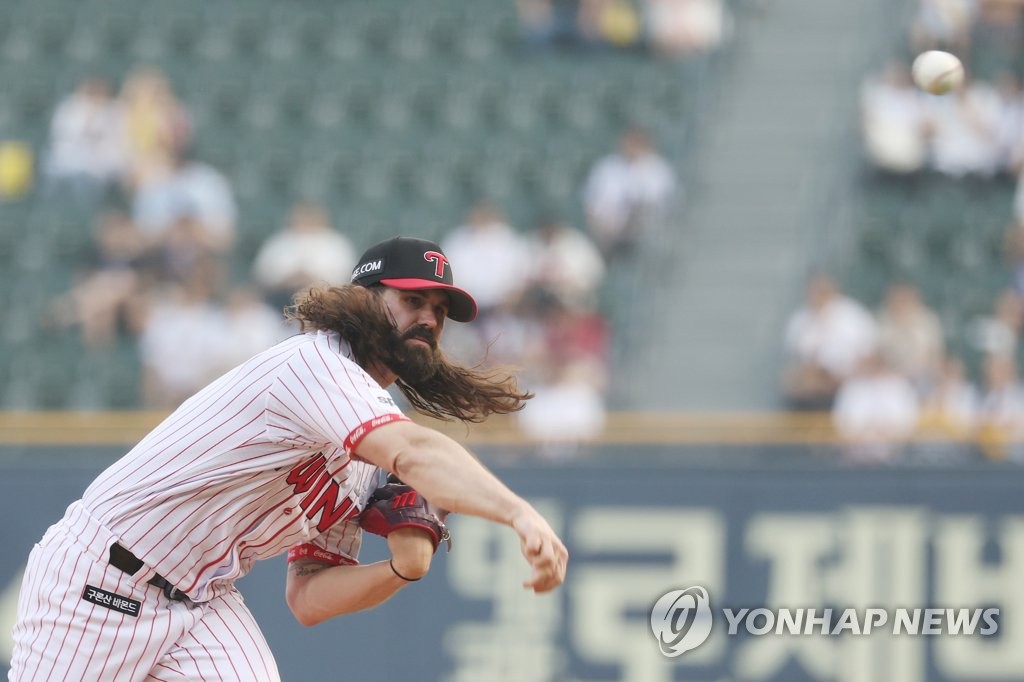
(396,505)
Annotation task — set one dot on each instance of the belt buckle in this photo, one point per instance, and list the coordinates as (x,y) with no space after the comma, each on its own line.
(173,593)
(169,590)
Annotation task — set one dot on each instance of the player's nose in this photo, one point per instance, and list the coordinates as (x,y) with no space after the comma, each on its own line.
(428,319)
(424,322)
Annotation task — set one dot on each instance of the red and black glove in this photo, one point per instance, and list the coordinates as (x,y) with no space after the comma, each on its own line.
(396,505)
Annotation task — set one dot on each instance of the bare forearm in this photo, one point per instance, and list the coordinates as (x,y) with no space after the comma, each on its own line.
(449,476)
(317,592)
(446,473)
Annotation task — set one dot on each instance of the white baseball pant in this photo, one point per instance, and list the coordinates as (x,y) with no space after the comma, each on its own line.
(79,618)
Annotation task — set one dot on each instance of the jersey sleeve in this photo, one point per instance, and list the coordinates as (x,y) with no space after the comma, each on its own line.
(321,397)
(339,546)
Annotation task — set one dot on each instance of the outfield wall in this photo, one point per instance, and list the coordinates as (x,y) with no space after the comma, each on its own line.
(754,528)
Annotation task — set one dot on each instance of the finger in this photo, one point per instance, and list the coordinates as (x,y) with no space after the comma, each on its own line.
(538,576)
(545,579)
(542,585)
(539,583)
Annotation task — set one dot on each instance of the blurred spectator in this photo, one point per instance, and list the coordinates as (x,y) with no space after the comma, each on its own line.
(548,22)
(825,340)
(943,25)
(952,407)
(1013,249)
(564,263)
(680,28)
(306,251)
(893,120)
(559,336)
(876,411)
(157,126)
(574,335)
(910,336)
(17,169)
(181,187)
(999,333)
(250,326)
(105,301)
(86,152)
(564,353)
(672,28)
(568,372)
(627,192)
(1011,121)
(565,412)
(183,253)
(181,343)
(1001,419)
(492,258)
(1018,200)
(965,131)
(511,335)
(608,22)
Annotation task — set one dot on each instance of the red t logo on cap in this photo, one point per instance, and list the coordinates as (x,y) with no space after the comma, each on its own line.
(439,260)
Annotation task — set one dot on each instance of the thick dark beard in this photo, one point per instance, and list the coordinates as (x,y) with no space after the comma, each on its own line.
(452,392)
(413,363)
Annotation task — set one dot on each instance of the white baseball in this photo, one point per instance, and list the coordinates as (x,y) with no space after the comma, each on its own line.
(937,72)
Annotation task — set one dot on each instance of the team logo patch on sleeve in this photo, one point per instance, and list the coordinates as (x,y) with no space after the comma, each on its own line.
(109,600)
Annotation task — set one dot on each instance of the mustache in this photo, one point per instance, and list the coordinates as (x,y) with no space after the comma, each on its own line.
(421,334)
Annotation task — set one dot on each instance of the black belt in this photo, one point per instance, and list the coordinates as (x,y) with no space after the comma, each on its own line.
(124,560)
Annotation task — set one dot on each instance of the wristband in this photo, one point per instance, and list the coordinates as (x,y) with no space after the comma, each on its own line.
(395,571)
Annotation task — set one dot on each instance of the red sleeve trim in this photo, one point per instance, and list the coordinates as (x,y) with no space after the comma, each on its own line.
(309,551)
(360,432)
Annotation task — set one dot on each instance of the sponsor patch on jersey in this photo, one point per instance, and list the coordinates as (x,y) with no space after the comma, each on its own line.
(109,600)
(310,551)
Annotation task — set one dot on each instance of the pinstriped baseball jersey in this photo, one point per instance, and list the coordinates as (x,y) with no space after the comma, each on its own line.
(255,463)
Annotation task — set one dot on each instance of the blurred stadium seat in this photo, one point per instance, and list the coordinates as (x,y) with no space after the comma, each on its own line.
(397,116)
(944,235)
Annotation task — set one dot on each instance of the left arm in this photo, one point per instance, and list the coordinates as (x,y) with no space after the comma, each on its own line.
(316,591)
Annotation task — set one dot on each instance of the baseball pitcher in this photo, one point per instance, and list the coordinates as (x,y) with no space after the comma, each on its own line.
(281,454)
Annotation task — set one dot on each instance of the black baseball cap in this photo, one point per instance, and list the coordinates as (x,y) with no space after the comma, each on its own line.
(410,263)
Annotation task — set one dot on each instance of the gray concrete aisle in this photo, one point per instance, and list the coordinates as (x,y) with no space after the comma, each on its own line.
(768,185)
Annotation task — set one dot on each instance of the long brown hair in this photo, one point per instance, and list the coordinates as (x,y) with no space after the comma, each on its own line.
(359,315)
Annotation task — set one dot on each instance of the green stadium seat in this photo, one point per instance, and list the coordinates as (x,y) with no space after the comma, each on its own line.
(345,42)
(38,36)
(20,392)
(946,236)
(397,115)
(465,104)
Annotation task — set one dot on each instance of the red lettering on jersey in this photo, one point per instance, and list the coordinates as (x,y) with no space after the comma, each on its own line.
(322,491)
(308,499)
(439,261)
(305,474)
(330,512)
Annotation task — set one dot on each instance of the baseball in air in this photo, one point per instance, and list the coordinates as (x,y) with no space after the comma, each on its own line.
(937,72)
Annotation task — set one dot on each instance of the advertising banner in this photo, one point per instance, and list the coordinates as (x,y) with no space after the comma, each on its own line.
(779,573)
